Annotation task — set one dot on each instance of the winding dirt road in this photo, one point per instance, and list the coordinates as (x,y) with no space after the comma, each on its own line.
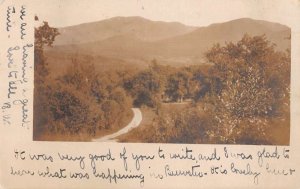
(135,122)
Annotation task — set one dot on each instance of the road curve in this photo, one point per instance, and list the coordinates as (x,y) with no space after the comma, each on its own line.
(135,122)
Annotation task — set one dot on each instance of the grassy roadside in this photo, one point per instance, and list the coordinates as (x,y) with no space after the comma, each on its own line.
(138,135)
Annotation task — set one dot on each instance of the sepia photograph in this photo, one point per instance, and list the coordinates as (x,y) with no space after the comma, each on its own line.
(149,78)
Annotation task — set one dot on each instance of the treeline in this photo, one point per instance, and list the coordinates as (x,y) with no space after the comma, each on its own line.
(159,83)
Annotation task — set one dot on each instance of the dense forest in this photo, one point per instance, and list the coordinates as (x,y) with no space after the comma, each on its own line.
(235,97)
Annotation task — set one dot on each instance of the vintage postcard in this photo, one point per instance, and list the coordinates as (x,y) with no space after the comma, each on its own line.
(143,94)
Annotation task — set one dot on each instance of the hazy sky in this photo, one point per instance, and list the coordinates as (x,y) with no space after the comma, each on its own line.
(61,13)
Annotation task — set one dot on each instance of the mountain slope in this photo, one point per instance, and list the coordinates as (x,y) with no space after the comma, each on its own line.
(138,27)
(200,40)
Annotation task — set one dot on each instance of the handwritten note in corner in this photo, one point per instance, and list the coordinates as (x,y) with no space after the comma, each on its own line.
(16,68)
(147,42)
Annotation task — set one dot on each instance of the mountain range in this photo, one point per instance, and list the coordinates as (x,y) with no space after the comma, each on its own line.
(139,40)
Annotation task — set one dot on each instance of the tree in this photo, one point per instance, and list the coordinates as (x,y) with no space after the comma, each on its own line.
(145,87)
(178,86)
(246,99)
(44,36)
(68,109)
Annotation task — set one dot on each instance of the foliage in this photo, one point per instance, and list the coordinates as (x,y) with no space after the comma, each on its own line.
(182,126)
(44,36)
(246,99)
(178,86)
(80,101)
(83,102)
(145,88)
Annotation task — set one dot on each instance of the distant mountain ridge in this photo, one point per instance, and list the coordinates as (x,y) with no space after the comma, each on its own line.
(141,40)
(138,27)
